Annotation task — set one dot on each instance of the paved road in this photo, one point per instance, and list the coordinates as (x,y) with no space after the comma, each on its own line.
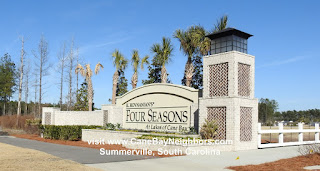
(91,157)
(209,162)
(78,154)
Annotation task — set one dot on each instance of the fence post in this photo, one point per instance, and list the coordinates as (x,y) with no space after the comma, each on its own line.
(316,134)
(259,135)
(281,133)
(300,133)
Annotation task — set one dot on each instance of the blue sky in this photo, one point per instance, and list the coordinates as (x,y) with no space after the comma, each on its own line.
(285,42)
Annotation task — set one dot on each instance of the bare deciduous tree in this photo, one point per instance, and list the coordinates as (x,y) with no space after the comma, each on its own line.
(35,93)
(42,66)
(71,66)
(21,77)
(26,85)
(62,58)
(77,65)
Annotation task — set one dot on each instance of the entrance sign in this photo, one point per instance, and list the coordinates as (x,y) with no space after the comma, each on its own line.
(159,107)
(227,98)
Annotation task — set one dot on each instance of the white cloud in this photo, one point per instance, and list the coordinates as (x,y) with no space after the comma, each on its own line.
(282,62)
(86,48)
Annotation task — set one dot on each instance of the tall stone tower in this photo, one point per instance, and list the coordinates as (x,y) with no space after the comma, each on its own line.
(228,89)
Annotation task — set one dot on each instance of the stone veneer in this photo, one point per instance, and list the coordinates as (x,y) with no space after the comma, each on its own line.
(233,101)
(53,116)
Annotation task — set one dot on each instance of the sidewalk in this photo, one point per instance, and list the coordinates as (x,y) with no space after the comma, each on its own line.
(78,154)
(186,163)
(92,158)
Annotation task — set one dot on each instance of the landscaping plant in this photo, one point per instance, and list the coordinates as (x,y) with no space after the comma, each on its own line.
(68,132)
(208,129)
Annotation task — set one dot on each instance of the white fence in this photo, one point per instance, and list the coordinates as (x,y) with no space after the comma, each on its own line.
(281,131)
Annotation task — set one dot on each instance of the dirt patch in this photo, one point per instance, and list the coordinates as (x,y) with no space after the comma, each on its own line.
(17,158)
(14,131)
(291,164)
(80,144)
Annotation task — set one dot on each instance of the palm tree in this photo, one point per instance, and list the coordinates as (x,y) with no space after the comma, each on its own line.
(221,24)
(162,56)
(188,47)
(194,41)
(199,35)
(120,62)
(135,63)
(200,40)
(87,74)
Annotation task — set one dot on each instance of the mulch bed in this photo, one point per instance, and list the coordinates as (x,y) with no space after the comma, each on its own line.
(80,144)
(291,164)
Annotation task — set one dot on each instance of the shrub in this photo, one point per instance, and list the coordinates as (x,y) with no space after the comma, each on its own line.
(32,126)
(30,122)
(118,126)
(208,129)
(192,130)
(111,126)
(26,122)
(68,132)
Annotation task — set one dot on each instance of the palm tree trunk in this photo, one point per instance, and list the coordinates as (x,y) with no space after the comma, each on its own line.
(163,74)
(189,69)
(134,80)
(90,93)
(114,88)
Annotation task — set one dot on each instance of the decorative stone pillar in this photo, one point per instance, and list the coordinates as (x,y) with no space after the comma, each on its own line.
(48,115)
(228,89)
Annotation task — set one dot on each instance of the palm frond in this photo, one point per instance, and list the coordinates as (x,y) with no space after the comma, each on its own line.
(221,24)
(80,69)
(163,52)
(199,39)
(123,64)
(156,48)
(116,58)
(119,61)
(144,60)
(167,49)
(135,60)
(98,68)
(185,41)
(88,71)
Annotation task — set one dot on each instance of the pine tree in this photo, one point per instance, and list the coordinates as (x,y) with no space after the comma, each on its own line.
(82,98)
(154,75)
(8,78)
(122,86)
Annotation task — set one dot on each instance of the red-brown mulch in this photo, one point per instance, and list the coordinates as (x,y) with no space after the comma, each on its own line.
(291,164)
(81,144)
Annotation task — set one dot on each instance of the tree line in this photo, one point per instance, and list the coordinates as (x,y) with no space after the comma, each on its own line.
(31,73)
(269,114)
